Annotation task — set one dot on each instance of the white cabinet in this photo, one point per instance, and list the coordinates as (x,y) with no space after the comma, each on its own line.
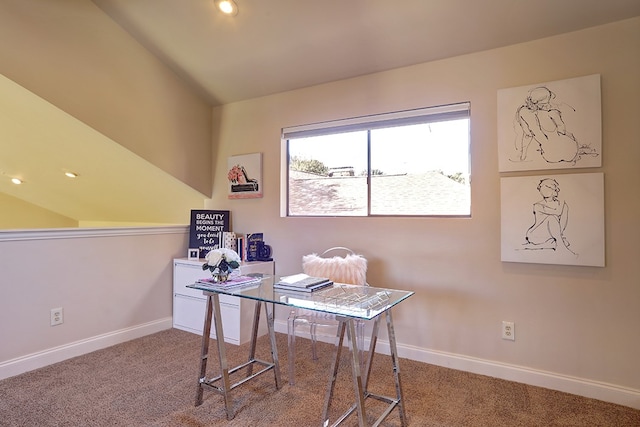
(189,304)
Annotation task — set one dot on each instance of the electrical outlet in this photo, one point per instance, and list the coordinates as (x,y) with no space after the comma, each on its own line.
(57,316)
(508,331)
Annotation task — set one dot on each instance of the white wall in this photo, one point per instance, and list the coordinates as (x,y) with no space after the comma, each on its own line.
(113,284)
(576,327)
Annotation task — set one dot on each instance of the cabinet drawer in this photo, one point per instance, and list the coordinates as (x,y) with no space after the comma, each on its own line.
(197,294)
(188,274)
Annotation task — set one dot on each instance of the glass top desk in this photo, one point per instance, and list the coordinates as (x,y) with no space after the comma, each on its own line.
(347,302)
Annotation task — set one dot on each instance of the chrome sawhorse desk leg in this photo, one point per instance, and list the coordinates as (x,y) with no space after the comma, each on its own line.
(213,310)
(360,381)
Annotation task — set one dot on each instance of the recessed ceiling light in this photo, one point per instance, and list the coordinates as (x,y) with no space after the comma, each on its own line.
(228,7)
(71,174)
(16,181)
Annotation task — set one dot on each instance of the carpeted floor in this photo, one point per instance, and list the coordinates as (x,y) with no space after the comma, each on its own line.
(151,381)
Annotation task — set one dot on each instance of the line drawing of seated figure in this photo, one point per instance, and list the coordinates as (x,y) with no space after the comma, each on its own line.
(551,216)
(540,120)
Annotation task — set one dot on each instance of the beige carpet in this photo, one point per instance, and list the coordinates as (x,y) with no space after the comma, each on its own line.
(151,381)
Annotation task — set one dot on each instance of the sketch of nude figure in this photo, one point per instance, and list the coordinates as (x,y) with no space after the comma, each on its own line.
(551,216)
(539,120)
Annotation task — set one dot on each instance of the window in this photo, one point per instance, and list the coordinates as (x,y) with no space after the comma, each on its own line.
(407,163)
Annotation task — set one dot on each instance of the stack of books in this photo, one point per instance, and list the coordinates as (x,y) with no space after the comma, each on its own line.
(238,282)
(302,283)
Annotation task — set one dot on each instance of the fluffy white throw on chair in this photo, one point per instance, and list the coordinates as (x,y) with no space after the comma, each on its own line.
(351,269)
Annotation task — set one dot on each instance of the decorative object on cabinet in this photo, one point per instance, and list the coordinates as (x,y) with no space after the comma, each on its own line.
(193,253)
(252,245)
(257,249)
(241,242)
(221,262)
(230,241)
(245,176)
(207,228)
(189,304)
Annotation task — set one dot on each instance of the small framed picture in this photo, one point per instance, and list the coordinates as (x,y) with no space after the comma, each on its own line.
(245,176)
(193,253)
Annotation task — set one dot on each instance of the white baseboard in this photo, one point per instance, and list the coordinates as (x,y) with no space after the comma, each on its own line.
(40,359)
(578,386)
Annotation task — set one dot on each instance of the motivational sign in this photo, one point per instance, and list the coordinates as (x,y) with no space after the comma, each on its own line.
(207,228)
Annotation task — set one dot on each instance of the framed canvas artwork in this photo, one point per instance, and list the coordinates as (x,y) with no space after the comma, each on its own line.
(553,125)
(245,176)
(553,219)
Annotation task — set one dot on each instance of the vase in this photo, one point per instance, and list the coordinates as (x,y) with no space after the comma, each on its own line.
(220,277)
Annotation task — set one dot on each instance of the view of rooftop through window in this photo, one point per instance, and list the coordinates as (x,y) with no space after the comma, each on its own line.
(410,170)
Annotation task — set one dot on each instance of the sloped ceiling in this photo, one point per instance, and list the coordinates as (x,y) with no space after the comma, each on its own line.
(40,142)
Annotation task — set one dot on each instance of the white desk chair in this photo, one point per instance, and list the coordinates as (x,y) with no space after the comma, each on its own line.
(351,269)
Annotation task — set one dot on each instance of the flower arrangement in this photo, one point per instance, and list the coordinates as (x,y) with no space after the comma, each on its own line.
(236,175)
(221,262)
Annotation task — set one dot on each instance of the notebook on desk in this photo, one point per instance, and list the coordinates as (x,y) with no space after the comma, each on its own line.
(302,282)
